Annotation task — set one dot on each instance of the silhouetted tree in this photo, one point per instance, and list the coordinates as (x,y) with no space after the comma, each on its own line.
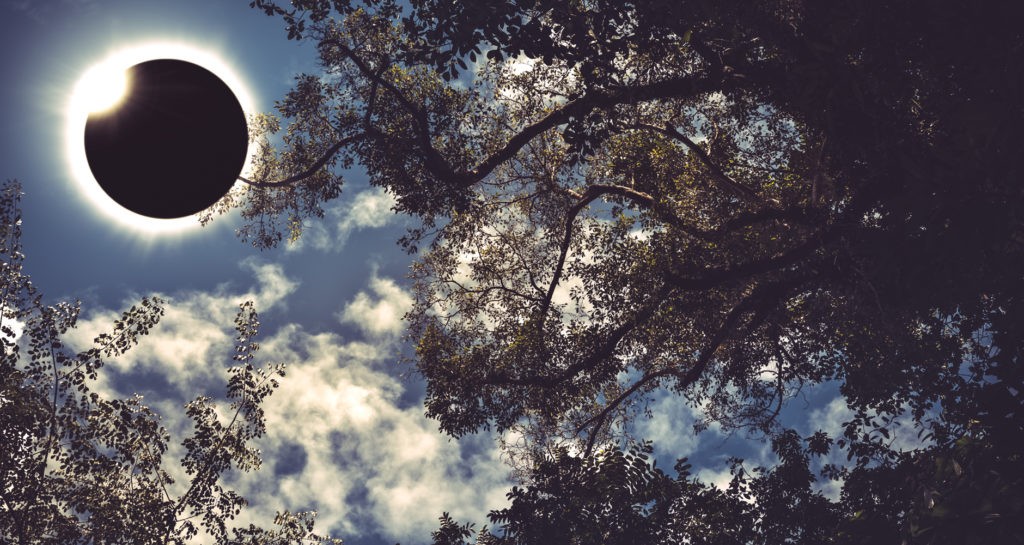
(78,467)
(725,200)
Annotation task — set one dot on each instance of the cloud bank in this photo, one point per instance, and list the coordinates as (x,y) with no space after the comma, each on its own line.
(338,442)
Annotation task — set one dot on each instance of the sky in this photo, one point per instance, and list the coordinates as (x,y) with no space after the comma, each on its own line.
(346,431)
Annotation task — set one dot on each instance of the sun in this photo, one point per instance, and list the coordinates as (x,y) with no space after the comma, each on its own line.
(100,88)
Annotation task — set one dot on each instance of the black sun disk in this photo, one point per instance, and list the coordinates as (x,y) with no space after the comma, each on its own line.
(173,146)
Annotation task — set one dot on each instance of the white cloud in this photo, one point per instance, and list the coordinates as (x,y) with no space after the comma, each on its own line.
(830,418)
(671,426)
(720,478)
(378,315)
(340,440)
(719,474)
(368,209)
(902,432)
(194,332)
(368,460)
(551,83)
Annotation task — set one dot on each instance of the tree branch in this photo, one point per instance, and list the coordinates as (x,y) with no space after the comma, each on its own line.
(592,193)
(675,87)
(647,200)
(433,159)
(712,277)
(600,352)
(724,179)
(760,299)
(575,109)
(312,169)
(588,197)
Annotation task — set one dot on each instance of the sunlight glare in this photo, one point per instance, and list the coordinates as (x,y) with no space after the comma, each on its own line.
(101,88)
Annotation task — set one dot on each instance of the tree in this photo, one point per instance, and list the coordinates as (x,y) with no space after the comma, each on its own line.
(727,200)
(77,467)
(615,497)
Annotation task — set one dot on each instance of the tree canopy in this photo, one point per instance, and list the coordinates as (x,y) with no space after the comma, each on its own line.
(730,201)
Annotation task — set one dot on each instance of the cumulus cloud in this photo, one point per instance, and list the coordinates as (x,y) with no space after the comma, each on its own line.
(671,427)
(378,315)
(369,463)
(339,441)
(719,477)
(194,333)
(368,209)
(831,417)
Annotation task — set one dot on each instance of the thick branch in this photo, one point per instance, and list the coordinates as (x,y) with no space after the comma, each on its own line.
(713,277)
(587,198)
(710,279)
(437,165)
(575,109)
(648,201)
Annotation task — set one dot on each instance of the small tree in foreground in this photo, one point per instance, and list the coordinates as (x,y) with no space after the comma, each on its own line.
(77,467)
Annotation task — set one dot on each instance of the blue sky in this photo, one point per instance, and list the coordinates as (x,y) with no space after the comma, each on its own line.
(346,431)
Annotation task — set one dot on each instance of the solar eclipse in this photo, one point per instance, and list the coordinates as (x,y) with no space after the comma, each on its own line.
(157,133)
(172,145)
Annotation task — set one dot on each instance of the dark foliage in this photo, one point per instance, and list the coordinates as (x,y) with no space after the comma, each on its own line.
(729,201)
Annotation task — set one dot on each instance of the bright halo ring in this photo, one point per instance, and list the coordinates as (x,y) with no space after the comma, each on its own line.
(100,88)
